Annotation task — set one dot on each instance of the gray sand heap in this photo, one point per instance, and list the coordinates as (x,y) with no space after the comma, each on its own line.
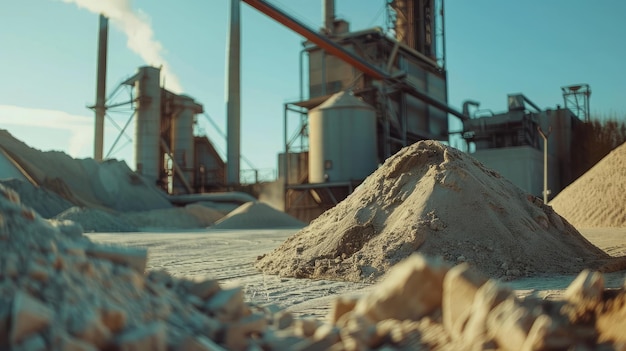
(45,202)
(100,196)
(257,215)
(438,201)
(95,220)
(86,182)
(188,217)
(60,291)
(598,197)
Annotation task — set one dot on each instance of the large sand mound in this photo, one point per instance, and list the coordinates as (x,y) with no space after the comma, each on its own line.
(110,184)
(257,215)
(438,201)
(598,198)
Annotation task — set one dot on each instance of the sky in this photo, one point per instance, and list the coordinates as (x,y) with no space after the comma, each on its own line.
(493,48)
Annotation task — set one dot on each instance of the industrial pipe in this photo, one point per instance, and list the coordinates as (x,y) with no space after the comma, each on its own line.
(321,41)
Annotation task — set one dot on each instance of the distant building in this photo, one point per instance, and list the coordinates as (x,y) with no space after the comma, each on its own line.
(511,144)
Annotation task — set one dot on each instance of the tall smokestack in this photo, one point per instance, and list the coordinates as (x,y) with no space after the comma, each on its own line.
(329,15)
(101,88)
(233,100)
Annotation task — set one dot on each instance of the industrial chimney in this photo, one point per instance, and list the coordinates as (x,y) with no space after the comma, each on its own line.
(100,108)
(415,24)
(233,100)
(328,7)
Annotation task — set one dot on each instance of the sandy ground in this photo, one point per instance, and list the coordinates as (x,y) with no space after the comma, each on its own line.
(229,256)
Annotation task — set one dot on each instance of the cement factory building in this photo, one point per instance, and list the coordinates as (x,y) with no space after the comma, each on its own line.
(369,93)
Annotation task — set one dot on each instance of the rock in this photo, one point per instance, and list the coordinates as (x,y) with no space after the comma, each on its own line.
(199,343)
(283,319)
(29,316)
(205,289)
(305,327)
(412,289)
(509,324)
(611,322)
(313,345)
(237,334)
(327,332)
(132,257)
(38,272)
(459,288)
(587,287)
(5,313)
(341,306)
(358,332)
(280,340)
(151,336)
(227,305)
(89,327)
(487,297)
(32,343)
(68,343)
(113,318)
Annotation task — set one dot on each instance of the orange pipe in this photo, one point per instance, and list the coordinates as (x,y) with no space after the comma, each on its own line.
(319,40)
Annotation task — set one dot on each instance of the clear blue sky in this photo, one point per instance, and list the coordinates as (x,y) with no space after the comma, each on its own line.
(494,47)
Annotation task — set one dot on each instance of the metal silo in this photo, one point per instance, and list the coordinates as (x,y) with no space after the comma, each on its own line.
(147,132)
(342,140)
(182,138)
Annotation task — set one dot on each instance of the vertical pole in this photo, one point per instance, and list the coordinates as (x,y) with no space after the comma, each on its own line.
(545,136)
(101,88)
(233,102)
(286,161)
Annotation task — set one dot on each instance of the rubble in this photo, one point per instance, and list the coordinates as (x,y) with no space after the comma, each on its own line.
(60,291)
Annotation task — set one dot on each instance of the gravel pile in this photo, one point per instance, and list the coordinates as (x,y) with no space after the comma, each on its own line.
(45,202)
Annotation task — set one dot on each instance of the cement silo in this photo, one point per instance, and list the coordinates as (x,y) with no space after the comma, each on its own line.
(182,139)
(148,153)
(342,140)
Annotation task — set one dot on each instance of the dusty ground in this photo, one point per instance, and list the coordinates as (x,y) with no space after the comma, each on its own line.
(229,256)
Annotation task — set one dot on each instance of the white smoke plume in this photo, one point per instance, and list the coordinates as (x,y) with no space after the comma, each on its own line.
(136,26)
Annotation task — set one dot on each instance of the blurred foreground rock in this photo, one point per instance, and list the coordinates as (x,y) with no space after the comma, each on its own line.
(60,291)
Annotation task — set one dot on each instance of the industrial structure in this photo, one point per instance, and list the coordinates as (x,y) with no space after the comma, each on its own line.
(388,92)
(514,143)
(166,151)
(368,94)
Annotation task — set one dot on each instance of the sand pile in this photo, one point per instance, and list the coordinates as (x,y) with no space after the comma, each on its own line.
(188,217)
(95,220)
(597,198)
(257,215)
(436,200)
(60,291)
(110,184)
(45,202)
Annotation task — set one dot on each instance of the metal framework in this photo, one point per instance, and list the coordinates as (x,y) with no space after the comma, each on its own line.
(576,98)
